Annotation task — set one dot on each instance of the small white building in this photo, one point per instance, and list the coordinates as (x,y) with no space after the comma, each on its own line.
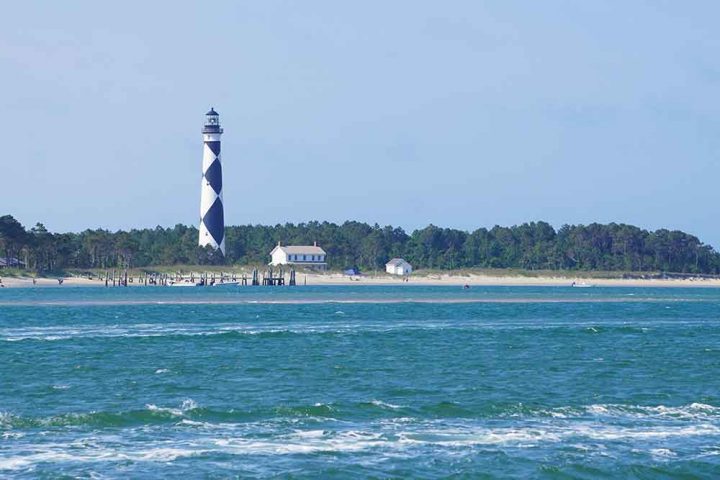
(300,255)
(398,266)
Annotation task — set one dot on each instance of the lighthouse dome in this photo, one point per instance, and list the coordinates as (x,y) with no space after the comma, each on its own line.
(212,122)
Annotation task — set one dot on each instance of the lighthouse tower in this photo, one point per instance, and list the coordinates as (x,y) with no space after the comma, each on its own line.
(212,220)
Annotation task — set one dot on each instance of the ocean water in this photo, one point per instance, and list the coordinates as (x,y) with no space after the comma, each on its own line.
(360,382)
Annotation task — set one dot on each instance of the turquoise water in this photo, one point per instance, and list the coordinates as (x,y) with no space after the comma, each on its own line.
(360,382)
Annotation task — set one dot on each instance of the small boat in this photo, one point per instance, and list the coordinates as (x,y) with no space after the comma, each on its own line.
(582,285)
(225,284)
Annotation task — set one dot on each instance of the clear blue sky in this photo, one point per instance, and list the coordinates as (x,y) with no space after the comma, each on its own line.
(460,113)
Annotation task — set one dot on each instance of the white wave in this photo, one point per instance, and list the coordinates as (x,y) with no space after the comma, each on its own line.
(481,436)
(305,442)
(54,333)
(662,452)
(185,406)
(56,455)
(173,411)
(308,434)
(620,298)
(161,370)
(194,423)
(693,411)
(597,409)
(130,331)
(6,418)
(644,433)
(164,454)
(398,436)
(16,463)
(398,421)
(379,403)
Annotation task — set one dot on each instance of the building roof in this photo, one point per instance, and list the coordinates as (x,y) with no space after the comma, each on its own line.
(396,261)
(212,112)
(300,250)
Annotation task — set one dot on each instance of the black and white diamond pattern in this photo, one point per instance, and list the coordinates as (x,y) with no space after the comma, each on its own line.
(214,175)
(212,223)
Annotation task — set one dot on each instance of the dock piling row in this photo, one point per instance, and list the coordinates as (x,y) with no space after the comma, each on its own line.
(270,277)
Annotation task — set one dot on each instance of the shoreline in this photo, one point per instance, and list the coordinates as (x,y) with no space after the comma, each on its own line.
(507,280)
(444,279)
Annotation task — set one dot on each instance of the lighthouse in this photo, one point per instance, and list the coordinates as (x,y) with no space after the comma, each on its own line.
(212,220)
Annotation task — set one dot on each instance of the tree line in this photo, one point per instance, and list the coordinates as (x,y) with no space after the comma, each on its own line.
(530,246)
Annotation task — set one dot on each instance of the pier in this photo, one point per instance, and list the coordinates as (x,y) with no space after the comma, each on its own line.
(270,277)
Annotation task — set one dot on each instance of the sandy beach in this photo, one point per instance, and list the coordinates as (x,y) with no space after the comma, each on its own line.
(491,280)
(447,279)
(14,282)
